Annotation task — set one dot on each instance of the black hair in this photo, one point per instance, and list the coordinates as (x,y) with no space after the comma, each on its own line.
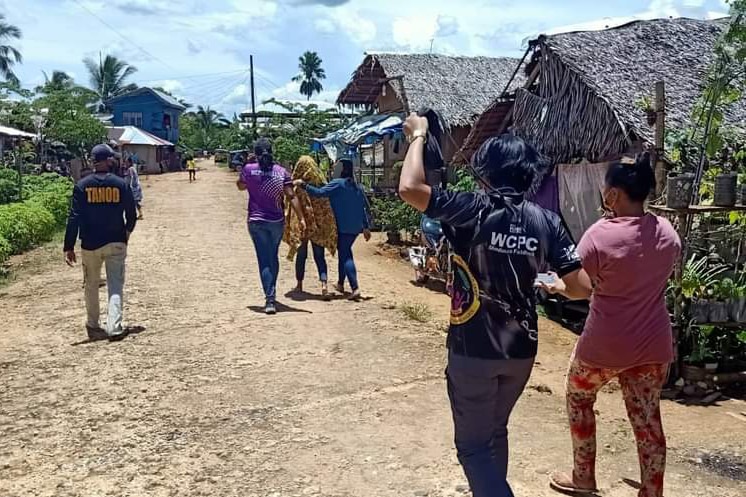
(347,169)
(509,161)
(263,151)
(636,179)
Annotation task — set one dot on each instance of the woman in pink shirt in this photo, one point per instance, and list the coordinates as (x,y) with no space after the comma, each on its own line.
(627,259)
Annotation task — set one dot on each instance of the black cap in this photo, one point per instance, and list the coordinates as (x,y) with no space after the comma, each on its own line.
(262,146)
(102,152)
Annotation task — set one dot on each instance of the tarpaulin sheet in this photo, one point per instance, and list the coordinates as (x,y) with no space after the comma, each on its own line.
(367,129)
(580,187)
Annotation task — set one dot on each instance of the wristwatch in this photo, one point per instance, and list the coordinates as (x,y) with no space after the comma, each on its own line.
(418,134)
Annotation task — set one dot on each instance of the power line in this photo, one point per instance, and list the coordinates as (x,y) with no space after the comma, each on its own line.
(193,76)
(125,38)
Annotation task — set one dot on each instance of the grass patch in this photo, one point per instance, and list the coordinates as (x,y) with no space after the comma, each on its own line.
(416,312)
(35,261)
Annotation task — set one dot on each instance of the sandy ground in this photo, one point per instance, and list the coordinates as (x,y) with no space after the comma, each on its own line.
(327,398)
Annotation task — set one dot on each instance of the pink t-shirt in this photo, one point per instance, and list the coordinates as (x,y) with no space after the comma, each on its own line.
(629,261)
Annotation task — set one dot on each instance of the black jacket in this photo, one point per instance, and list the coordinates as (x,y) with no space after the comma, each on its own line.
(500,242)
(102,212)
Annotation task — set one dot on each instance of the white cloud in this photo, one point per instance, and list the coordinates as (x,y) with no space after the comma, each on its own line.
(415,32)
(326,26)
(662,8)
(239,95)
(170,85)
(349,21)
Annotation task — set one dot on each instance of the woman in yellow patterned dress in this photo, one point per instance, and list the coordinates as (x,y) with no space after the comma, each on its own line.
(320,222)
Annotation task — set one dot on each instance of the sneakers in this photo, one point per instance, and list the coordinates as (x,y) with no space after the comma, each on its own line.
(339,288)
(270,309)
(356,296)
(96,333)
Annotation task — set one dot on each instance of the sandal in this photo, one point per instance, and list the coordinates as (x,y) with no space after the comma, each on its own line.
(563,483)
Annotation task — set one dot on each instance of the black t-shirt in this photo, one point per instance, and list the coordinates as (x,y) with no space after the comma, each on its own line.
(102,212)
(500,242)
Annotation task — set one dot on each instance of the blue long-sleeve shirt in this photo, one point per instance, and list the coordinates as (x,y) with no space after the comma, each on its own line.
(348,203)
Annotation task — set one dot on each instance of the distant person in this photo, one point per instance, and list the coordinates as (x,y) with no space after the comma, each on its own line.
(321,228)
(103,214)
(352,216)
(499,242)
(192,169)
(627,260)
(133,181)
(267,183)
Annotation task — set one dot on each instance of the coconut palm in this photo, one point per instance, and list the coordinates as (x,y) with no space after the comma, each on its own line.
(59,81)
(310,75)
(9,55)
(109,76)
(209,119)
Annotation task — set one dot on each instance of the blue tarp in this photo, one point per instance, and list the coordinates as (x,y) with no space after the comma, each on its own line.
(365,130)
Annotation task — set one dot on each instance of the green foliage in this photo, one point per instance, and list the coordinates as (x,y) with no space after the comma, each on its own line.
(697,278)
(25,225)
(416,312)
(464,182)
(108,76)
(5,250)
(9,55)
(391,214)
(70,122)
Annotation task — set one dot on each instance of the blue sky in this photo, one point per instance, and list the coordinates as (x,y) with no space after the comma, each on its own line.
(200,49)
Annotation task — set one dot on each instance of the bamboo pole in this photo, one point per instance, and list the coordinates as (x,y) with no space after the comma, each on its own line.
(660,137)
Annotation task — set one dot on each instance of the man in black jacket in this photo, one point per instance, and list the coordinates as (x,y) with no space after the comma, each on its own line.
(103,214)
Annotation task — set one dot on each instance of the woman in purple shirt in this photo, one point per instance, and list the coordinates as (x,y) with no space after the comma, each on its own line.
(267,183)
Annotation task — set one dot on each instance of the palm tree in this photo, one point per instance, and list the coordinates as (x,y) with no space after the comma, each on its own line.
(209,119)
(9,55)
(59,81)
(108,77)
(310,75)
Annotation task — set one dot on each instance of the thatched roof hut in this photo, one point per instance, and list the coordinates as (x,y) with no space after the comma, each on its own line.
(461,88)
(586,100)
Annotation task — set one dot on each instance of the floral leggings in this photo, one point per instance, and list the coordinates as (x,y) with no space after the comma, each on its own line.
(641,388)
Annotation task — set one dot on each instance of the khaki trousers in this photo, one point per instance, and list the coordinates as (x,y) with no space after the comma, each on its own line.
(113,256)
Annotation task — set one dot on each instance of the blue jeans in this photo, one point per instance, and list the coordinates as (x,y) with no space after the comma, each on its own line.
(346,260)
(318,257)
(267,238)
(483,393)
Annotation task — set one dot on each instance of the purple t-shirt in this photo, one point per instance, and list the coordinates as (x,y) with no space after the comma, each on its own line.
(629,260)
(266,192)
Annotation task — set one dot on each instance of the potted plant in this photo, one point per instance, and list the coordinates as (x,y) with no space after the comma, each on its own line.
(696,282)
(725,193)
(646,105)
(702,354)
(719,309)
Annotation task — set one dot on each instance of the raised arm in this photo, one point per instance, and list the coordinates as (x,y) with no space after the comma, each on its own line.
(413,187)
(130,211)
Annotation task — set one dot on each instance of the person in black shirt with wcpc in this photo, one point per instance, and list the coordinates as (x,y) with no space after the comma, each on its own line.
(499,242)
(103,214)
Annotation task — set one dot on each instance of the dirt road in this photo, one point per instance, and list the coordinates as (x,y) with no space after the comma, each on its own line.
(332,399)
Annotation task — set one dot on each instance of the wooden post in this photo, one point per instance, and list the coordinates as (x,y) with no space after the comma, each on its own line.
(660,138)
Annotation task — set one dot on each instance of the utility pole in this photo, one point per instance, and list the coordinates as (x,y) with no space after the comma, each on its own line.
(253,95)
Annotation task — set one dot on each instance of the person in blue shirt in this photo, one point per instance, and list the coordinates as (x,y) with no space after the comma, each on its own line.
(353,217)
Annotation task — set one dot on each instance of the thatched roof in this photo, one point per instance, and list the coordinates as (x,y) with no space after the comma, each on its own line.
(460,88)
(587,101)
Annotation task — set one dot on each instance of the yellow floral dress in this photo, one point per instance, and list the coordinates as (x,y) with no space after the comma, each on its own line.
(320,222)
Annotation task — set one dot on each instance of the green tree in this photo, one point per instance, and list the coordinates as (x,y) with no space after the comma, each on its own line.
(108,77)
(70,121)
(9,55)
(311,74)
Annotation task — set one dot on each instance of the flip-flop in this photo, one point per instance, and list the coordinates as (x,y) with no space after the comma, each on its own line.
(563,483)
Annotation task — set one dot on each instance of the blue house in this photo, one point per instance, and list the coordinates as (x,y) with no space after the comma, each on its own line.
(149,110)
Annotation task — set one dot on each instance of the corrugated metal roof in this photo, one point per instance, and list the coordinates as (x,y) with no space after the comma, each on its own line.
(131,135)
(8,131)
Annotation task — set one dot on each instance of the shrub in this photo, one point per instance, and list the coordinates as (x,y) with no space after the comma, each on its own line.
(25,225)
(5,250)
(391,214)
(57,203)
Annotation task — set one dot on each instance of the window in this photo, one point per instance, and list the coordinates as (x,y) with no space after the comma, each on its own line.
(132,119)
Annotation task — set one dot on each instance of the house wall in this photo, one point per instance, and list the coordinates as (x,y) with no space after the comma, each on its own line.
(389,102)
(145,154)
(153,113)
